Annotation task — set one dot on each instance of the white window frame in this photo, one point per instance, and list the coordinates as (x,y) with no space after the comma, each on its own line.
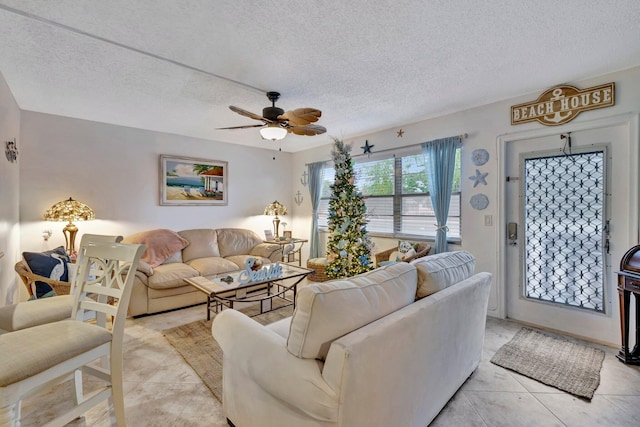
(429,230)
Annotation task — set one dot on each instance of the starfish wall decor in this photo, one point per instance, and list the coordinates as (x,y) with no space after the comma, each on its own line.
(479,178)
(367,147)
(400,133)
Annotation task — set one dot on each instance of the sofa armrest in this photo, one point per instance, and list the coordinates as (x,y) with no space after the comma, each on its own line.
(268,250)
(145,268)
(262,355)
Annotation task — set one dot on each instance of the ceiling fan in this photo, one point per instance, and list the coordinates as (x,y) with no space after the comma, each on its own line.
(276,123)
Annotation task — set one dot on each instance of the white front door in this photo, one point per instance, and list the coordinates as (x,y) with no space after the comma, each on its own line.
(567,226)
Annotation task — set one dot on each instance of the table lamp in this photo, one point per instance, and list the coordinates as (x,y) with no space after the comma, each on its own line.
(69,210)
(276,208)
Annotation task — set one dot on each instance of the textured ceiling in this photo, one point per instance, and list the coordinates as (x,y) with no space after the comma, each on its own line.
(175,66)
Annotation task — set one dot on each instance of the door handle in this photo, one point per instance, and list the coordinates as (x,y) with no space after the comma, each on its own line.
(512,233)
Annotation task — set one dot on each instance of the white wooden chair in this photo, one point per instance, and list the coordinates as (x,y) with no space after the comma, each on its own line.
(44,355)
(27,314)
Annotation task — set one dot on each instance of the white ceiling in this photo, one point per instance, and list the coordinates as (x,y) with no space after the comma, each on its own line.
(176,65)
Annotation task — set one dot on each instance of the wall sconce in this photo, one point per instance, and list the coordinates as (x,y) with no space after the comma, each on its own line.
(11,150)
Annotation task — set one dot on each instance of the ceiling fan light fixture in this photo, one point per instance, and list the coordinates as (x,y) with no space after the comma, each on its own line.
(273,132)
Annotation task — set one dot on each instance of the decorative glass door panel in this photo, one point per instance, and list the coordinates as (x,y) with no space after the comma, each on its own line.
(564,229)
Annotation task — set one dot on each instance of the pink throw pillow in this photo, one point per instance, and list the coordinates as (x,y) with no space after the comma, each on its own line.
(160,243)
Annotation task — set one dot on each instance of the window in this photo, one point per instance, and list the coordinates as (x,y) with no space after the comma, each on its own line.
(396,193)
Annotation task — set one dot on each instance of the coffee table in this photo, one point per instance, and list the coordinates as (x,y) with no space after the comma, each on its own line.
(224,294)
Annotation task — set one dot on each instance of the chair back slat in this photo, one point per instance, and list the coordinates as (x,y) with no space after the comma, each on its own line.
(103,290)
(104,280)
(99,307)
(85,240)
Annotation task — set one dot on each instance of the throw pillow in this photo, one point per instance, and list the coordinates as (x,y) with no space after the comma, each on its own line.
(405,251)
(437,272)
(51,264)
(161,244)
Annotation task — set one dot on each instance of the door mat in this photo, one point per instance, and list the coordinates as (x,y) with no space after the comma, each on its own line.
(559,363)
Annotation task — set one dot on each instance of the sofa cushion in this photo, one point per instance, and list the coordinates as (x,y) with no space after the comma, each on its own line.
(176,257)
(236,241)
(203,243)
(171,275)
(437,272)
(212,265)
(326,311)
(161,244)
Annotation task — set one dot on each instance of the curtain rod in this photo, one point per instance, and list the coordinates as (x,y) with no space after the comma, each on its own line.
(461,136)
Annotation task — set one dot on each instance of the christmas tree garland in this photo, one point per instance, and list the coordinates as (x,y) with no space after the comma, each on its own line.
(349,245)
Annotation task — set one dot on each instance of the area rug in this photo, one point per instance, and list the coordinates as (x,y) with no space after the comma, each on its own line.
(556,362)
(197,347)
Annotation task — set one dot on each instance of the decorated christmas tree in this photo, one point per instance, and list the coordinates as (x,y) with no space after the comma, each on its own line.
(349,245)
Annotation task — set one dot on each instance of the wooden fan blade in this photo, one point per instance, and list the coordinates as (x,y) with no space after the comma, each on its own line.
(301,116)
(242,127)
(308,130)
(248,114)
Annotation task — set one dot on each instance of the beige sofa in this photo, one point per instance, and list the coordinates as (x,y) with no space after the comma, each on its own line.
(203,252)
(359,352)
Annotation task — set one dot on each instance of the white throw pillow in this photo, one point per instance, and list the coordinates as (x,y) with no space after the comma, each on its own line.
(400,256)
(437,272)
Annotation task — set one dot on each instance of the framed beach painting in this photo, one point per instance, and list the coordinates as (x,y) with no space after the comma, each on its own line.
(189,181)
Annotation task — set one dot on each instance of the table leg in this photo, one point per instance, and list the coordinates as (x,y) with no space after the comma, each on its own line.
(208,307)
(635,353)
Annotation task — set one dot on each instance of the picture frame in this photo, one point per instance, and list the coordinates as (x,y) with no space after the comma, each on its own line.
(192,181)
(287,234)
(268,235)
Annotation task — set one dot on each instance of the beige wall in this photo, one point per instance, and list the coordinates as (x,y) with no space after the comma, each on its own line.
(115,170)
(9,195)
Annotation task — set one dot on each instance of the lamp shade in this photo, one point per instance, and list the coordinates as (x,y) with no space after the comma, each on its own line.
(69,210)
(273,132)
(276,208)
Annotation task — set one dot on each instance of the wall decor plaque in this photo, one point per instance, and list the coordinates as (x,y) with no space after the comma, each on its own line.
(479,201)
(480,156)
(563,103)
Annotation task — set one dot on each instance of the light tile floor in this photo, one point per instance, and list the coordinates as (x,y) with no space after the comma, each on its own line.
(162,390)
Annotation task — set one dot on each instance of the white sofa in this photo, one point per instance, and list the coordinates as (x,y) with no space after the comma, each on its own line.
(359,352)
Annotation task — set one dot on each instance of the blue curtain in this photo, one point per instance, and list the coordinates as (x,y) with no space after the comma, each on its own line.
(440,160)
(315,188)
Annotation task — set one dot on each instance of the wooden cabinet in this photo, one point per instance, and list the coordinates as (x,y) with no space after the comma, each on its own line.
(628,287)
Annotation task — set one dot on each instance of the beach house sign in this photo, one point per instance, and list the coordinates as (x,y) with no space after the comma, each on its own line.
(563,103)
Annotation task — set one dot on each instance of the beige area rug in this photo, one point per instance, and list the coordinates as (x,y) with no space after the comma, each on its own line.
(559,363)
(196,345)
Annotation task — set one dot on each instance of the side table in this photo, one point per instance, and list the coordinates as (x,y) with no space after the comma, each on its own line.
(291,256)
(629,284)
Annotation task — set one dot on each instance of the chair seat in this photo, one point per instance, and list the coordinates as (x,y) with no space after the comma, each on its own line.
(32,313)
(28,352)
